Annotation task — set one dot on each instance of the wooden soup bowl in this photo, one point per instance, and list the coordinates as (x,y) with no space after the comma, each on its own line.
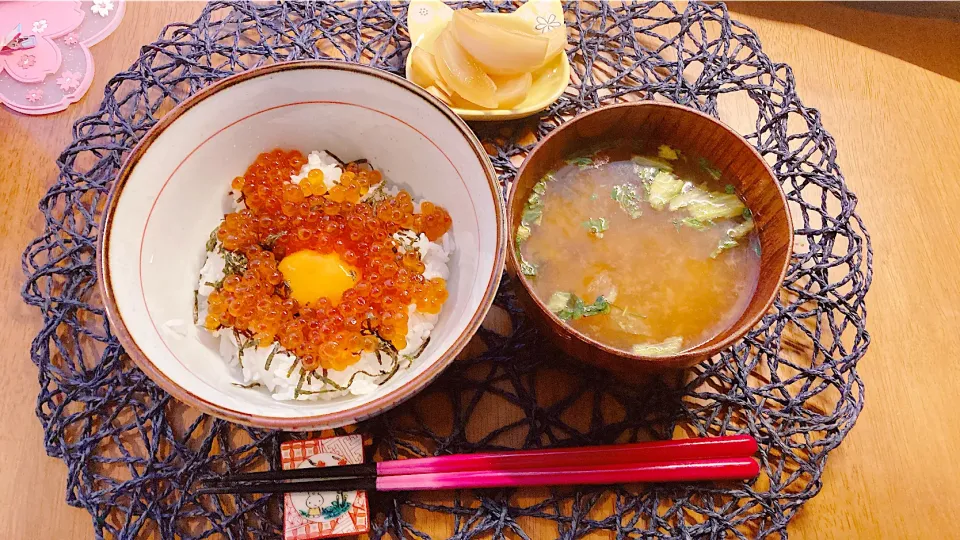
(695,134)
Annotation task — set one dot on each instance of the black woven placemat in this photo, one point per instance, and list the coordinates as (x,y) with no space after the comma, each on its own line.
(133,453)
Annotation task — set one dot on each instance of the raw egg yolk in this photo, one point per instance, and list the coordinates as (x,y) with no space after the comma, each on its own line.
(313,275)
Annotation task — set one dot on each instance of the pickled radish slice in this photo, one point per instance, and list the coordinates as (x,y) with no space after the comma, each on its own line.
(499,50)
(460,103)
(462,73)
(439,94)
(442,86)
(424,67)
(557,37)
(512,90)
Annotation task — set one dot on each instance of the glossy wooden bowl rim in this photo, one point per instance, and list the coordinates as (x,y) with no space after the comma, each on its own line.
(700,351)
(348,414)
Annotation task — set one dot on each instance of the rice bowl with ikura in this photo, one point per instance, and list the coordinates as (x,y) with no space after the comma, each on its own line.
(173,190)
(324,281)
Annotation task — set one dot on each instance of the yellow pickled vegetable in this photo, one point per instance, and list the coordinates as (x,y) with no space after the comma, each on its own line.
(498,50)
(462,73)
(439,94)
(511,90)
(557,38)
(424,67)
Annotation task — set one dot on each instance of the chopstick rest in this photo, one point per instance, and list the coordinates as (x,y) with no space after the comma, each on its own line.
(331,510)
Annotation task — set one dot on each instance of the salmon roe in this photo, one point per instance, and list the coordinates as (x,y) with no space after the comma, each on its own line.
(282,218)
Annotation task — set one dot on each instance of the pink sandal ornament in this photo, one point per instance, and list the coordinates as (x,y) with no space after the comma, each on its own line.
(45,61)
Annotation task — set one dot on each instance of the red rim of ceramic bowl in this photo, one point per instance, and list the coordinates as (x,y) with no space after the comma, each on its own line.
(323,421)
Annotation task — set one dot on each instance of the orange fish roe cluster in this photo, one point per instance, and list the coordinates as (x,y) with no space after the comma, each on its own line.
(282,218)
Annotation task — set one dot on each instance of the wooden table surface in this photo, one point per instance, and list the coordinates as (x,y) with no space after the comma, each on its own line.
(888,88)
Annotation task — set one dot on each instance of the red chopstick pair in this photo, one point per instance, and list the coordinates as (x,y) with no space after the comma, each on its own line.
(682,460)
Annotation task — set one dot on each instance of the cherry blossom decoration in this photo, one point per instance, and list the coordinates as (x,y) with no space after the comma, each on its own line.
(102,7)
(58,69)
(69,80)
(27,61)
(34,95)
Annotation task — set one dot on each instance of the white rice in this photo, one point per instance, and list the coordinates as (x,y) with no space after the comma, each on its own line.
(323,162)
(367,373)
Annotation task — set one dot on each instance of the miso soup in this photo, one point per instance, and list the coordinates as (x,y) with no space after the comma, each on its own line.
(649,251)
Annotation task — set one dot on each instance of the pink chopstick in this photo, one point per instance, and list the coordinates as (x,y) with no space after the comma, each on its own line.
(660,451)
(677,471)
(682,460)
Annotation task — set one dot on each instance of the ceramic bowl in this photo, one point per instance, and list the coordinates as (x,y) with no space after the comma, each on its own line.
(426,18)
(695,134)
(171,193)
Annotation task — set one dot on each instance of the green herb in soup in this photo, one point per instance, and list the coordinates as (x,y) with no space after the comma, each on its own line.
(581,162)
(532,214)
(671,257)
(630,198)
(569,306)
(596,226)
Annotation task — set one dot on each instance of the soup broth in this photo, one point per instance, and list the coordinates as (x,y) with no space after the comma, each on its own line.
(649,252)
